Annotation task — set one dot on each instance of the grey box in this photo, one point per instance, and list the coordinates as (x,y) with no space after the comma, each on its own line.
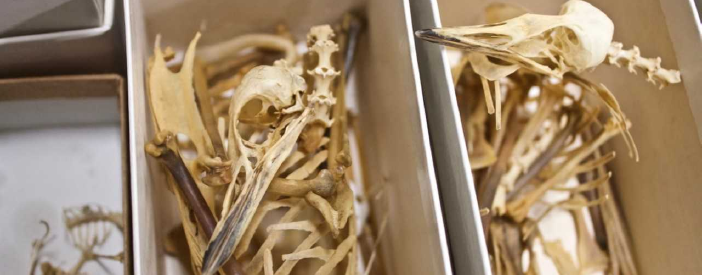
(36,17)
(458,197)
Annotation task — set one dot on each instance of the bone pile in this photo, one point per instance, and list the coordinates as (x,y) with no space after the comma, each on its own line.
(255,139)
(538,161)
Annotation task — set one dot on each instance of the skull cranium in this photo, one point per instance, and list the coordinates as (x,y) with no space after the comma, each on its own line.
(265,93)
(576,39)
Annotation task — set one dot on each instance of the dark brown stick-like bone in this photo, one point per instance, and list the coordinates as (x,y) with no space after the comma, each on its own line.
(519,207)
(338,144)
(488,187)
(545,158)
(598,225)
(163,148)
(352,26)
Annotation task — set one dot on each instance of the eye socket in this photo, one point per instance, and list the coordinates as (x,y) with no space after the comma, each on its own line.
(253,112)
(251,109)
(572,37)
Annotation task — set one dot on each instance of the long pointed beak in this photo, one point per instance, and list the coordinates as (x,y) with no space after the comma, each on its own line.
(427,34)
(483,43)
(451,37)
(434,35)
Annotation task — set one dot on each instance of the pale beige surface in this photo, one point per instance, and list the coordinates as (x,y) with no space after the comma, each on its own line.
(659,194)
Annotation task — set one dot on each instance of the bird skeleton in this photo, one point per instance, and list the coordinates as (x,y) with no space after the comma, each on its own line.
(278,154)
(553,136)
(578,38)
(88,228)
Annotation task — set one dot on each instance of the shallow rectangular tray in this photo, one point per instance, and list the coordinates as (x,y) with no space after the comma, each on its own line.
(396,150)
(63,144)
(658,195)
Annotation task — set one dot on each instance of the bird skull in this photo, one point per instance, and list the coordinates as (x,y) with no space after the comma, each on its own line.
(265,93)
(576,39)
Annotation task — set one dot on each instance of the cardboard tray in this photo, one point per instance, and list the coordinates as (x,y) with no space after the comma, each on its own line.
(77,52)
(82,14)
(79,129)
(395,149)
(659,195)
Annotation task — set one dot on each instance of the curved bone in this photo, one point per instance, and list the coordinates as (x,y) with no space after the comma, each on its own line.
(339,254)
(236,45)
(172,98)
(309,167)
(493,72)
(316,253)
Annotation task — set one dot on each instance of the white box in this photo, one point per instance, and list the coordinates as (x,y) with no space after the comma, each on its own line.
(660,194)
(396,146)
(63,144)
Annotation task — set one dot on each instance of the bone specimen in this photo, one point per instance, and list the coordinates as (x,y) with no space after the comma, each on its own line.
(552,134)
(89,227)
(579,38)
(257,150)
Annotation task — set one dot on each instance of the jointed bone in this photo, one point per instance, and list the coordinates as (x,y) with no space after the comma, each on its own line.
(632,60)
